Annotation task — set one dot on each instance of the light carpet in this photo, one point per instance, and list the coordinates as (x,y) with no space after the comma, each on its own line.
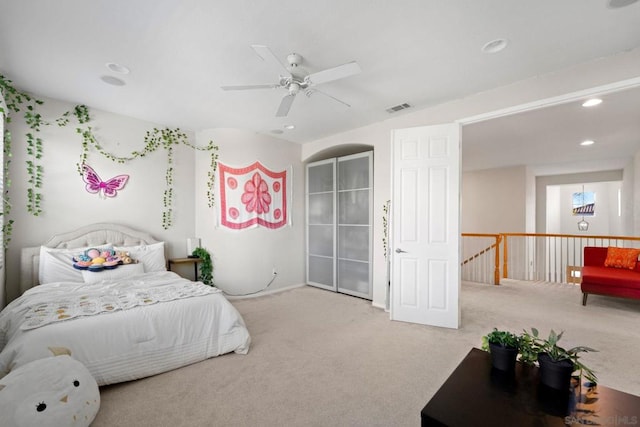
(319,358)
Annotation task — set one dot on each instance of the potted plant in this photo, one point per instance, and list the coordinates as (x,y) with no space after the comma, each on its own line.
(528,349)
(557,364)
(503,346)
(205,267)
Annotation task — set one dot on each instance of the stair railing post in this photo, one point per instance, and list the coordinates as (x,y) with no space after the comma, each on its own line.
(496,270)
(505,268)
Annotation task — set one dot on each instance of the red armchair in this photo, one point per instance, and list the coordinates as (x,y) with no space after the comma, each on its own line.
(610,281)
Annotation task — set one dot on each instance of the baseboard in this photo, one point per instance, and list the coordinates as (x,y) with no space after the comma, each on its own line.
(266,292)
(378,305)
(287,288)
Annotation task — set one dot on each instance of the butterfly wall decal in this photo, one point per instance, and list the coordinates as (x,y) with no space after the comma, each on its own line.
(105,189)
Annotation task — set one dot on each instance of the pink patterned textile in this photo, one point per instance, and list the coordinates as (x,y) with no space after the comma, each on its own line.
(252,196)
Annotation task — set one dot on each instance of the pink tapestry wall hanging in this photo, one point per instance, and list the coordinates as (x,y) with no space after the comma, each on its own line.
(253,196)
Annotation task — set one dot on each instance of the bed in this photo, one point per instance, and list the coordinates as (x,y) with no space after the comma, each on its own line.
(124,323)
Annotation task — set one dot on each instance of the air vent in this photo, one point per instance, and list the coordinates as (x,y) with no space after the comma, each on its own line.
(398,107)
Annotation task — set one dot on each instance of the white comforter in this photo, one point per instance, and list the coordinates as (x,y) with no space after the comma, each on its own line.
(172,329)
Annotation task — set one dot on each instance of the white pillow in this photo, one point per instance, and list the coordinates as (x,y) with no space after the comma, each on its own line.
(120,272)
(150,256)
(56,265)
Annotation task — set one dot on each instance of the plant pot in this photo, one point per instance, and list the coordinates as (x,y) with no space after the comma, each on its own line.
(503,358)
(555,374)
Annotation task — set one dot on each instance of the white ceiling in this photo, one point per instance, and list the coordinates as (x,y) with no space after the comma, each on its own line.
(548,139)
(424,52)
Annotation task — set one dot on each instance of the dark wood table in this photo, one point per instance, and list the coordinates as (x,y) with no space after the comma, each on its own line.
(477,395)
(189,260)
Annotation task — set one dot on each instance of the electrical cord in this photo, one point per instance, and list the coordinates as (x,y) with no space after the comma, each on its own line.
(253,293)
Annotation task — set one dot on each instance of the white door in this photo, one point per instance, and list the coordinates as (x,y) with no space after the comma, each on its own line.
(425,224)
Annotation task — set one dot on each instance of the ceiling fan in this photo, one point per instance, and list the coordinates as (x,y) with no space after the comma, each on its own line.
(296,79)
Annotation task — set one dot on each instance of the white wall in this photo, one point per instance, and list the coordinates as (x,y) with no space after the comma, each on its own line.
(243,260)
(494,200)
(605,222)
(585,76)
(68,206)
(544,212)
(635,189)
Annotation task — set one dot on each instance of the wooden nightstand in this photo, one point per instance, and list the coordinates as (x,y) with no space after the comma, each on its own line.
(194,261)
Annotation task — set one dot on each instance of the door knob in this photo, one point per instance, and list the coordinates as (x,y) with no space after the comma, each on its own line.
(400,251)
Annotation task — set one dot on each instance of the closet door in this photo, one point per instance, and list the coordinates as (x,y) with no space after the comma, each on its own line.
(321,224)
(354,230)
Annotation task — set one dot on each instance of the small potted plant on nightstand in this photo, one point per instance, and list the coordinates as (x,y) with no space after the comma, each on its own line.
(557,364)
(503,346)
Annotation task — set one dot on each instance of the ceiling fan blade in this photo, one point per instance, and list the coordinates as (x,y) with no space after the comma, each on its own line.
(249,87)
(335,73)
(285,105)
(310,92)
(267,55)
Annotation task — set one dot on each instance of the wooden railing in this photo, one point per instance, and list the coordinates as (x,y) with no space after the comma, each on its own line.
(481,257)
(530,256)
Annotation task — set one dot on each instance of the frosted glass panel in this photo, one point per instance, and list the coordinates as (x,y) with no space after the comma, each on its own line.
(321,270)
(338,228)
(321,178)
(353,207)
(321,240)
(353,242)
(353,276)
(353,173)
(321,208)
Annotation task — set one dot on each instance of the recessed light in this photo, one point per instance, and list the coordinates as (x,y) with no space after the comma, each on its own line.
(117,68)
(494,46)
(114,81)
(592,102)
(289,127)
(587,142)
(617,4)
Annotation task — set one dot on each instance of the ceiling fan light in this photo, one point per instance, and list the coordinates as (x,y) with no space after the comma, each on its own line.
(587,142)
(294,88)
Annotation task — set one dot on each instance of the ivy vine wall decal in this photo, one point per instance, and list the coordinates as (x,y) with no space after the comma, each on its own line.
(155,139)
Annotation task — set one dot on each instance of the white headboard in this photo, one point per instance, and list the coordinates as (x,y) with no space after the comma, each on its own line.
(90,235)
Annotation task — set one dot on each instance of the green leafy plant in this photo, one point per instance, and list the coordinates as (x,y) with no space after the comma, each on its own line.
(556,353)
(205,268)
(7,225)
(501,338)
(385,226)
(528,349)
(154,139)
(17,101)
